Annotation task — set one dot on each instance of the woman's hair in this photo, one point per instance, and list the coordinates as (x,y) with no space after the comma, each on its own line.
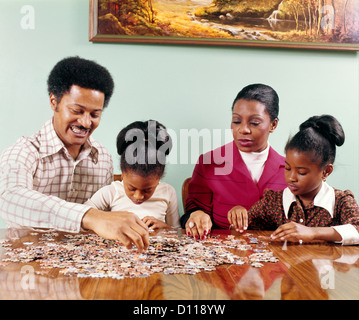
(81,72)
(263,94)
(319,135)
(143,147)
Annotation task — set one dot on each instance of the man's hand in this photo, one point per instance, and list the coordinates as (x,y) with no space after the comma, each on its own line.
(118,225)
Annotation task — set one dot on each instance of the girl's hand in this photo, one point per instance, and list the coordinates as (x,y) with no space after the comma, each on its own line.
(238,218)
(198,225)
(294,232)
(154,223)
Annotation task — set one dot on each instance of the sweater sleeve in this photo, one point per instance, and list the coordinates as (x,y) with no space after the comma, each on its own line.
(103,198)
(199,193)
(172,214)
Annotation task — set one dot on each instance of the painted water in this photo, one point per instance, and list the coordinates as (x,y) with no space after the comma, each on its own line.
(233,26)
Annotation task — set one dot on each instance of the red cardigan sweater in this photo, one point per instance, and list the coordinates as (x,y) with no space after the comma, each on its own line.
(216,193)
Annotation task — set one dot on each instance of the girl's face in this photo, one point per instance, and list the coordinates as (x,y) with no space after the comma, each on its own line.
(303,176)
(251,125)
(139,188)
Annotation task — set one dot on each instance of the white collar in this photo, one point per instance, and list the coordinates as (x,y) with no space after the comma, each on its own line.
(250,157)
(325,198)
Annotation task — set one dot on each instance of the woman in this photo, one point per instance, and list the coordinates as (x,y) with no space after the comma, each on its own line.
(217,198)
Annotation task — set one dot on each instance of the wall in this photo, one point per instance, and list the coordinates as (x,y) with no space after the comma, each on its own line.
(184,87)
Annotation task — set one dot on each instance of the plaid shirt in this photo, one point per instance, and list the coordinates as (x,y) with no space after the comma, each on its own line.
(42,186)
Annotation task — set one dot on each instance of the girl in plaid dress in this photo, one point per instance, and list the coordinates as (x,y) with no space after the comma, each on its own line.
(309,209)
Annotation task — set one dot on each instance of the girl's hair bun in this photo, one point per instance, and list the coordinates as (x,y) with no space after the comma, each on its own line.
(319,135)
(143,147)
(150,131)
(328,126)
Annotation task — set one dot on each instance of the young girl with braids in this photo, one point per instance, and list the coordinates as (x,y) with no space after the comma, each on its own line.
(143,147)
(309,209)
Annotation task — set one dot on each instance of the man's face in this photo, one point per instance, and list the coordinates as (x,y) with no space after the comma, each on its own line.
(76,116)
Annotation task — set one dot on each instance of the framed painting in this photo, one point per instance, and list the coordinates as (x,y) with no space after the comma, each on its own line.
(311,24)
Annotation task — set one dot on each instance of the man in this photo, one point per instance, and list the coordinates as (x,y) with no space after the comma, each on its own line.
(46,178)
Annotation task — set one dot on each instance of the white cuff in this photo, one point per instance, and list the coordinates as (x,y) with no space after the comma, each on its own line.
(348,233)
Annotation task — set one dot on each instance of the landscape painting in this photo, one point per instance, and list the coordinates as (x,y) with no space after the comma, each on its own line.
(313,24)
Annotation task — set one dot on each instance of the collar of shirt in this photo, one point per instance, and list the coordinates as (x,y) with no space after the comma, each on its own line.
(50,144)
(255,161)
(325,199)
(255,157)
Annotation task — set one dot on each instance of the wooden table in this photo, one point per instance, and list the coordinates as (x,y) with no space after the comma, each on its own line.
(304,271)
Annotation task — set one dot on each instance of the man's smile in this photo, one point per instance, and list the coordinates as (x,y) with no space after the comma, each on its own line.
(80,130)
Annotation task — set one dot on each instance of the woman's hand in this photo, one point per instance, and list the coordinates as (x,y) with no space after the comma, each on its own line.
(198,225)
(238,218)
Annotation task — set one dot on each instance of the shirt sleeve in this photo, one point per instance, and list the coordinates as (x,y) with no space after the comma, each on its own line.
(109,176)
(267,213)
(172,214)
(256,215)
(348,233)
(21,206)
(349,219)
(103,198)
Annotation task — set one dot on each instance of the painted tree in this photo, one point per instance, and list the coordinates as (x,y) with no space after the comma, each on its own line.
(126,10)
(148,9)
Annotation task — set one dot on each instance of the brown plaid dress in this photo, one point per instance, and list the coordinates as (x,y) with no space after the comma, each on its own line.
(268,213)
